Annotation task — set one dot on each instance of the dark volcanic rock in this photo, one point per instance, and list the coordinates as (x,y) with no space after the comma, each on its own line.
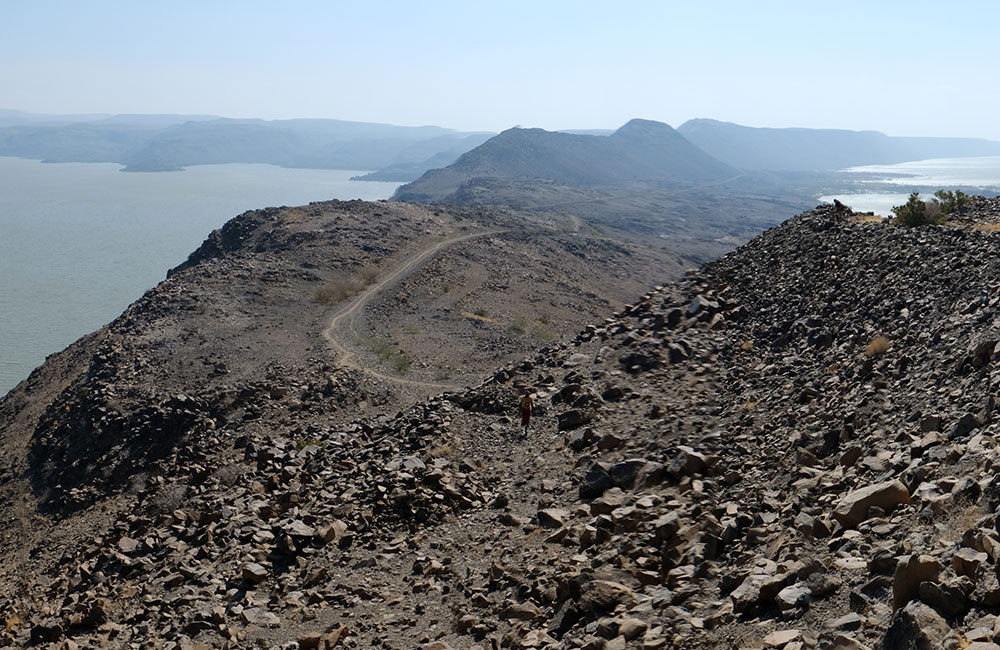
(818,472)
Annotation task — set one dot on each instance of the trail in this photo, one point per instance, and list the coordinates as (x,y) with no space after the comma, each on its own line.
(345,323)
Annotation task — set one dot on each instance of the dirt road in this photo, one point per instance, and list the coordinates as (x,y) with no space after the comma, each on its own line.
(345,325)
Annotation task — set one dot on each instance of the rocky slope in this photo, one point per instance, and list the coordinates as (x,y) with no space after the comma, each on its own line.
(791,448)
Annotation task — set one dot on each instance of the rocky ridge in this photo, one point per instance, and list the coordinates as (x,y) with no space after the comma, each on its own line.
(792,448)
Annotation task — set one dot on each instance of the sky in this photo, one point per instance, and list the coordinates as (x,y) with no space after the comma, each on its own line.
(901,67)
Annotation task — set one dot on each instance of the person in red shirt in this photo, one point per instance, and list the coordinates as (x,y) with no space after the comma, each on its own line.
(527,403)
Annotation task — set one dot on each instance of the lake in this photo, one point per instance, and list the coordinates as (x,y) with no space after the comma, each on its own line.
(972,175)
(79,242)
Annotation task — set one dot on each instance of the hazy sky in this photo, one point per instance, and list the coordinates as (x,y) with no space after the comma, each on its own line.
(902,67)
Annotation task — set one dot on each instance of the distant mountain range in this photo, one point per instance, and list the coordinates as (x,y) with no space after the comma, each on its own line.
(699,150)
(172,142)
(790,149)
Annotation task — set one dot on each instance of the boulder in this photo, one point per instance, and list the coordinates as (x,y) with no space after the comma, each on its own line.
(553,517)
(595,482)
(687,462)
(844,642)
(758,589)
(602,596)
(574,419)
(967,562)
(781,638)
(916,627)
(254,573)
(521,612)
(964,426)
(948,598)
(792,597)
(127,545)
(853,509)
(910,572)
(624,473)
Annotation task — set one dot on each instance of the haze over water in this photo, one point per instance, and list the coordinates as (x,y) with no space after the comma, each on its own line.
(971,175)
(79,242)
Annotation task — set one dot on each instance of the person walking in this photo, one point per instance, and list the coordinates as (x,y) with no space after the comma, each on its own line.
(527,403)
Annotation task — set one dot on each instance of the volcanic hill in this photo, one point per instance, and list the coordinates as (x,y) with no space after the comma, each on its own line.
(641,150)
(793,447)
(644,179)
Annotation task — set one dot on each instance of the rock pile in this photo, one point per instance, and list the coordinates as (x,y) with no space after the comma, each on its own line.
(793,448)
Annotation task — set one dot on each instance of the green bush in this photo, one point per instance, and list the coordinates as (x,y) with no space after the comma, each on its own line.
(935,211)
(918,213)
(951,202)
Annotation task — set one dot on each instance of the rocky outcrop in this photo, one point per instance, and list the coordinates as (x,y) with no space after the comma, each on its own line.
(736,460)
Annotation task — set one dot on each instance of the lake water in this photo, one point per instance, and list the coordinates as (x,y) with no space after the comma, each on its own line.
(79,242)
(971,175)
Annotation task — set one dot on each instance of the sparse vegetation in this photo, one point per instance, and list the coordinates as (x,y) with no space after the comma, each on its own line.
(338,290)
(479,317)
(951,202)
(543,332)
(401,362)
(443,372)
(866,218)
(518,326)
(539,329)
(877,346)
(916,212)
(482,313)
(442,450)
(395,358)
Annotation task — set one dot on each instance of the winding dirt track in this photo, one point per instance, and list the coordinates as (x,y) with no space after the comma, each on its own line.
(345,324)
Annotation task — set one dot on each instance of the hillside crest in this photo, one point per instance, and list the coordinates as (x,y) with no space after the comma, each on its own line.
(795,446)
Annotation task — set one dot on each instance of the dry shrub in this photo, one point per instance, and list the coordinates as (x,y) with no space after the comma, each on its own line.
(442,450)
(480,316)
(961,517)
(12,622)
(340,289)
(877,346)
